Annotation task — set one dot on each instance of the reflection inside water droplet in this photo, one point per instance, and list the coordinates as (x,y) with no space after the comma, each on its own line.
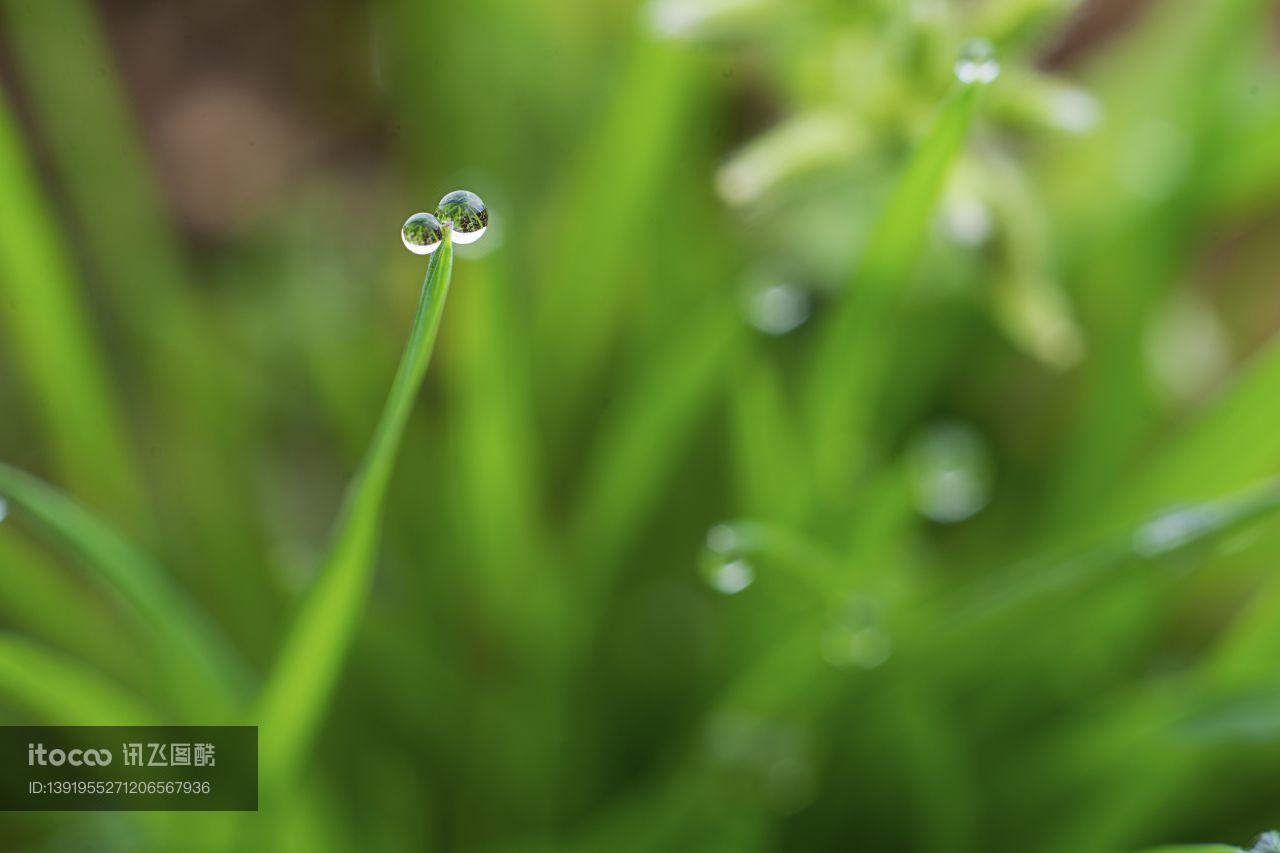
(421,234)
(950,473)
(977,63)
(466,214)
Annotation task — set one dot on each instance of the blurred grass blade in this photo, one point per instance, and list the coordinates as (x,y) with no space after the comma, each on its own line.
(604,208)
(768,451)
(59,691)
(188,379)
(1164,535)
(499,485)
(37,597)
(307,668)
(639,445)
(841,380)
(53,344)
(1234,441)
(183,636)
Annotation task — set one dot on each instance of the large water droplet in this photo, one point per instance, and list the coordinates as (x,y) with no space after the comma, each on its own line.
(977,63)
(1268,842)
(421,233)
(466,214)
(729,577)
(950,473)
(776,309)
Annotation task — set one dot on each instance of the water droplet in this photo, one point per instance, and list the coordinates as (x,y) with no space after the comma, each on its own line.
(1188,348)
(4,509)
(1176,528)
(1075,110)
(466,214)
(967,220)
(729,577)
(950,473)
(775,759)
(977,63)
(1268,842)
(421,233)
(850,647)
(723,539)
(777,308)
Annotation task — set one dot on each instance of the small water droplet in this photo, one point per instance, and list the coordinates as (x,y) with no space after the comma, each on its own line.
(776,309)
(1268,842)
(950,473)
(723,539)
(466,214)
(421,233)
(775,759)
(1174,529)
(729,577)
(849,647)
(977,63)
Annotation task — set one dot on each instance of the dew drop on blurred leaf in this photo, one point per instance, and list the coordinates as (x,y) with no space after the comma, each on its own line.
(849,647)
(776,309)
(466,213)
(967,220)
(1187,347)
(729,577)
(977,63)
(723,539)
(421,233)
(1075,110)
(950,473)
(1175,528)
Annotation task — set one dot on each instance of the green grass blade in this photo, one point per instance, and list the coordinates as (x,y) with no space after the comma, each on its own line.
(638,446)
(604,207)
(41,600)
(293,700)
(768,451)
(184,636)
(499,484)
(1232,442)
(849,359)
(60,691)
(187,379)
(52,343)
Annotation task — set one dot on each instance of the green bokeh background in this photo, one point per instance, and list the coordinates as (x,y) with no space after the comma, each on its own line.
(980,556)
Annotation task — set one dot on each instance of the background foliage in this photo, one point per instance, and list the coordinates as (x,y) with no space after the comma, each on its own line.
(820,453)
